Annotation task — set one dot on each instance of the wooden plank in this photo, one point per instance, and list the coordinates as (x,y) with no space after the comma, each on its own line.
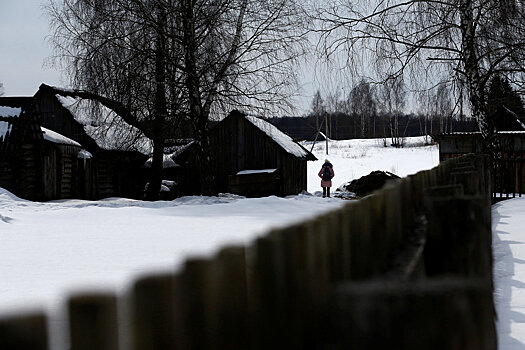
(449,313)
(28,332)
(153,313)
(192,299)
(461,244)
(229,326)
(93,322)
(268,293)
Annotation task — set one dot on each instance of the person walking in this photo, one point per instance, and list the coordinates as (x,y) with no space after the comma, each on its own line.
(326,174)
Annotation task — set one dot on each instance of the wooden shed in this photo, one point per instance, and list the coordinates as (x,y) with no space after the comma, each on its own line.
(509,164)
(251,157)
(113,164)
(35,163)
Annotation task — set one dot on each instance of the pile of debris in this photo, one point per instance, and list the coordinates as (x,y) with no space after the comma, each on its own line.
(364,185)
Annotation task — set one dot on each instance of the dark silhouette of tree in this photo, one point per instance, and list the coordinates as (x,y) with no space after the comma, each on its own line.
(505,105)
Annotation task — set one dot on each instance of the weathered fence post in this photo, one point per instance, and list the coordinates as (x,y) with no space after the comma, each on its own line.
(345,240)
(441,314)
(298,285)
(459,238)
(192,298)
(153,313)
(228,307)
(268,293)
(93,322)
(24,333)
(360,223)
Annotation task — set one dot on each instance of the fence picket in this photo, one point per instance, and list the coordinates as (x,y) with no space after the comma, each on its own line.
(93,322)
(28,332)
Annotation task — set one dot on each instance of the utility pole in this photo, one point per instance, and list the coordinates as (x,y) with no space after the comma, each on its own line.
(325,121)
(326,132)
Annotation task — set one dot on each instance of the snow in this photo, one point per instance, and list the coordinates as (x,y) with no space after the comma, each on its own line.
(6,111)
(285,141)
(508,231)
(5,127)
(83,154)
(50,250)
(107,128)
(166,163)
(355,158)
(246,172)
(55,137)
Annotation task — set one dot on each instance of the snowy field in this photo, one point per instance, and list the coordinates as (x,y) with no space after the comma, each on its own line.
(355,158)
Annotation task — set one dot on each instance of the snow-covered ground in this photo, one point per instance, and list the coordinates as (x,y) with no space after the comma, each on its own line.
(49,249)
(508,231)
(355,158)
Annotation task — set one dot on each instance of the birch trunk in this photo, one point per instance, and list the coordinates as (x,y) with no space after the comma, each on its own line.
(474,82)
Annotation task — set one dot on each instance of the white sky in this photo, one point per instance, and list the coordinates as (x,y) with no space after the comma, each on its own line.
(23,47)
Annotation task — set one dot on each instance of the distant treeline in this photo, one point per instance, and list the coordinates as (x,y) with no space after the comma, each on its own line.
(343,126)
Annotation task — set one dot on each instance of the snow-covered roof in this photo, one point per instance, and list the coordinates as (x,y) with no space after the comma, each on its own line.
(83,154)
(6,111)
(515,116)
(166,163)
(285,141)
(502,132)
(106,128)
(177,150)
(246,172)
(5,127)
(55,137)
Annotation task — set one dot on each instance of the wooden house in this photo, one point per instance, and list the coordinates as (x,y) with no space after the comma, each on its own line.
(250,157)
(35,163)
(114,152)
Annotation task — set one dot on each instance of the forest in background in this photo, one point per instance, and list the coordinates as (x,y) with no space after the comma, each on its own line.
(342,126)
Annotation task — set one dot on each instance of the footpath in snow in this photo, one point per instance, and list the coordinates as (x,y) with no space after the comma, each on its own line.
(508,230)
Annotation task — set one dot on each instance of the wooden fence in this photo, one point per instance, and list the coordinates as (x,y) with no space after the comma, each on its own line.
(408,267)
(508,177)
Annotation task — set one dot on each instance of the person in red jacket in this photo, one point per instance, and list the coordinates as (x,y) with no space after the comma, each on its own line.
(326,174)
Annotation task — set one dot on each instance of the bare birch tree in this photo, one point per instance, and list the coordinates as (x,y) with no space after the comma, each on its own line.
(318,108)
(392,101)
(463,39)
(362,103)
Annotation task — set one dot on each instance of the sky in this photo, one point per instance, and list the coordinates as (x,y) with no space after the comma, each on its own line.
(25,52)
(23,48)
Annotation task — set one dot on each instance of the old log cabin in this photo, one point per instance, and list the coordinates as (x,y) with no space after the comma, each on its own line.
(104,156)
(35,163)
(250,157)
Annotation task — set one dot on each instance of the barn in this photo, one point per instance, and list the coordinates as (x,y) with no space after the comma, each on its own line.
(35,163)
(113,152)
(250,157)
